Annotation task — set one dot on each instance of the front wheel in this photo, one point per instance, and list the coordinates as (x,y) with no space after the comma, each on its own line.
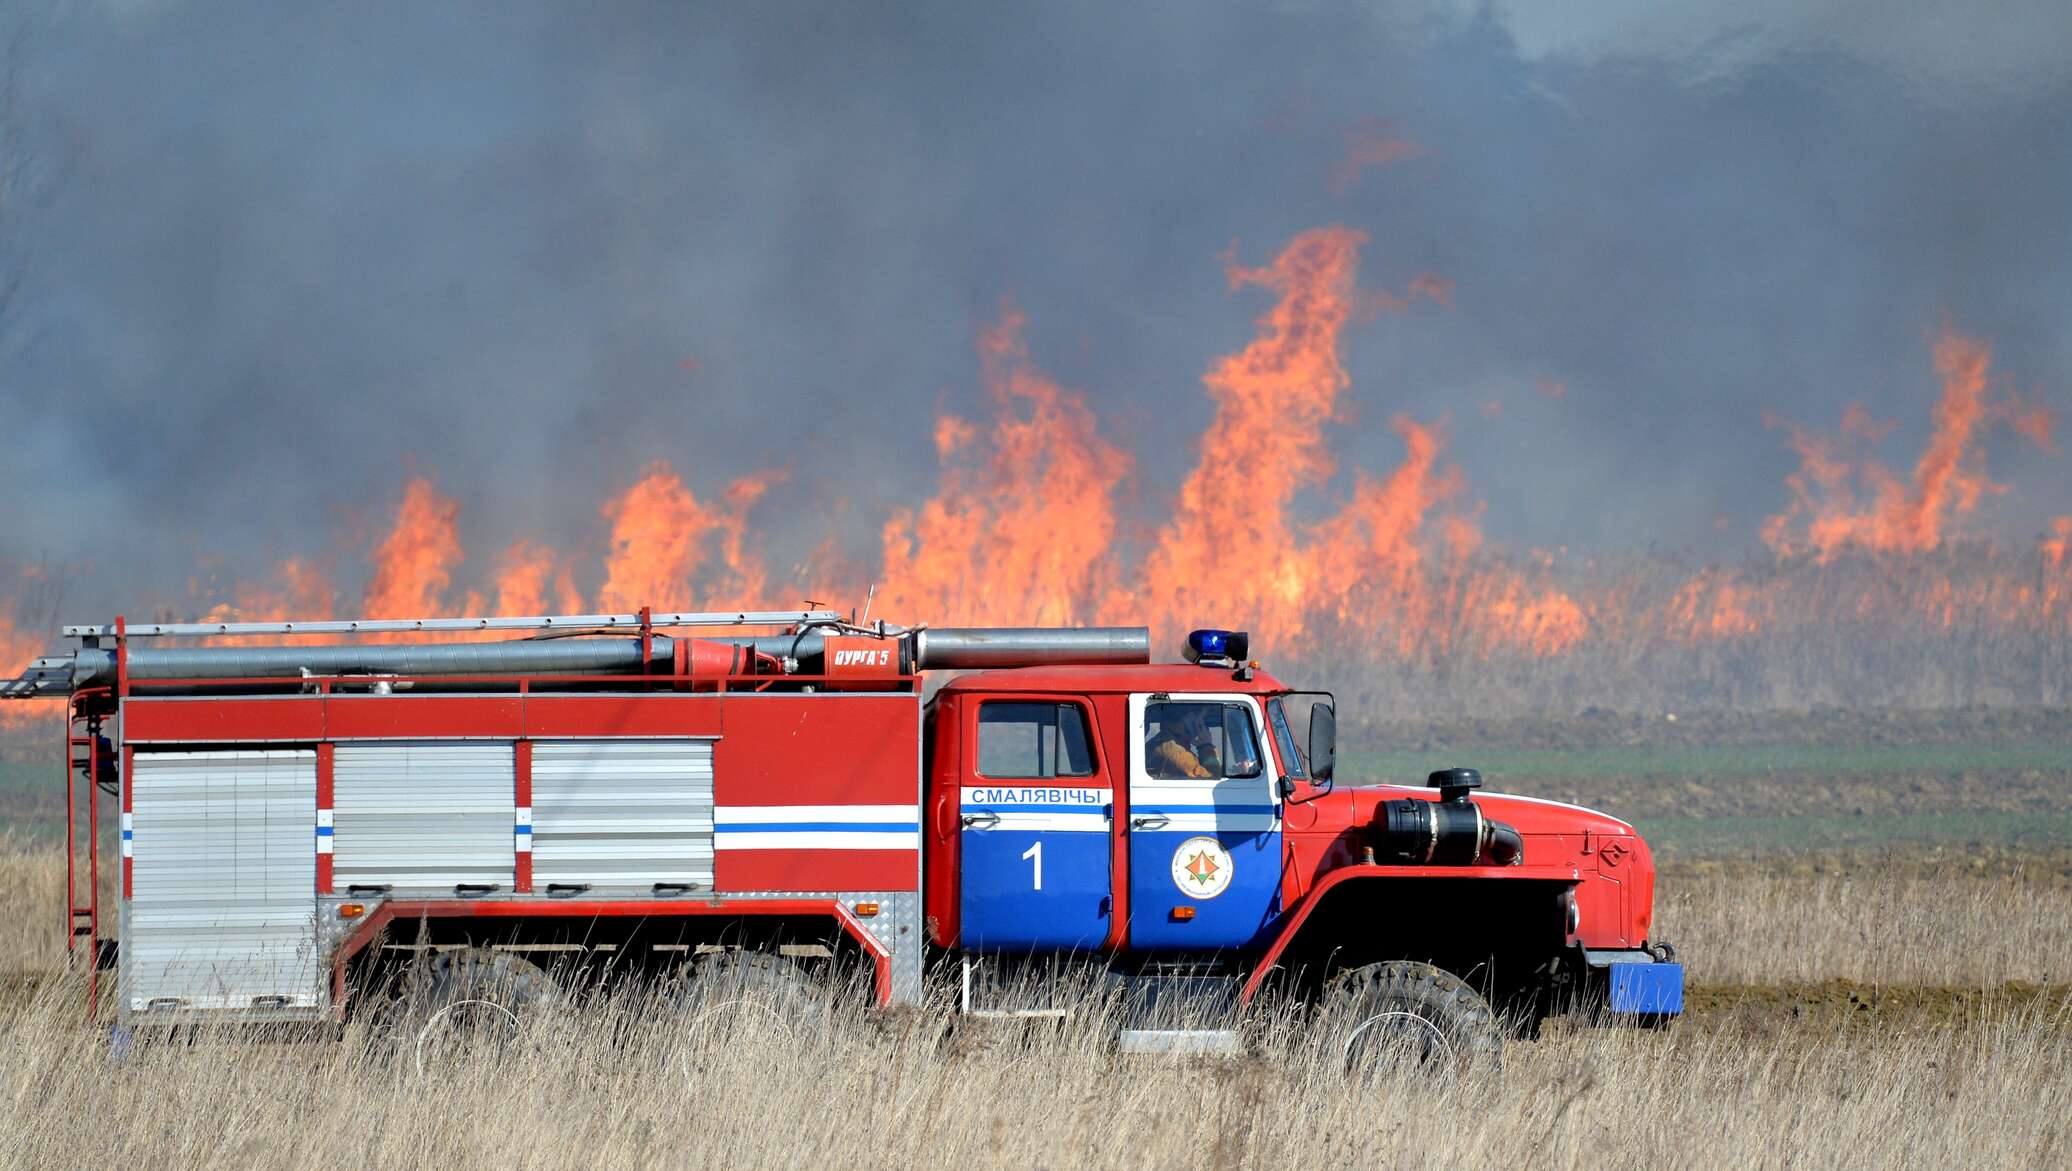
(1404,1015)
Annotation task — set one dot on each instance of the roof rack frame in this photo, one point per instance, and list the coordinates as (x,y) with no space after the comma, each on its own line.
(633,622)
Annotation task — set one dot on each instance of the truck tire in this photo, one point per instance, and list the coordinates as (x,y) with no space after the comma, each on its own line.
(462,998)
(1404,1014)
(749,990)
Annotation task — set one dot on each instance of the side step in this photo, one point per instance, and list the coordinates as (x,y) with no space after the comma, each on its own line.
(1220,1042)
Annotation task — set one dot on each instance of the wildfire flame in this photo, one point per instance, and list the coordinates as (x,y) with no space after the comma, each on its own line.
(1233,546)
(525,576)
(1901,516)
(297,588)
(1369,143)
(661,540)
(21,647)
(1022,530)
(413,565)
(1229,545)
(1025,526)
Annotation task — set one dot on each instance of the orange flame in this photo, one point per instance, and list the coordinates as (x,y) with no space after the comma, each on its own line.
(2058,544)
(1370,143)
(1372,544)
(413,565)
(661,537)
(1229,547)
(747,582)
(1948,482)
(524,577)
(298,590)
(1715,605)
(18,648)
(1023,526)
(658,532)
(1233,549)
(2056,591)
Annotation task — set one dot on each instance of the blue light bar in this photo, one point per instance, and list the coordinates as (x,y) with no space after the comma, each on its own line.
(1217,646)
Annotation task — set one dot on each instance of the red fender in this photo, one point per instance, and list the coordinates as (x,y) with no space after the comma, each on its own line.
(1291,923)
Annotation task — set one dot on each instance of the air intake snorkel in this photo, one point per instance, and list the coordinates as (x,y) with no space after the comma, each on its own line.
(1448,832)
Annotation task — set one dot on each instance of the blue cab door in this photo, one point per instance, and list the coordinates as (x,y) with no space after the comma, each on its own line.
(1037,808)
(1205,827)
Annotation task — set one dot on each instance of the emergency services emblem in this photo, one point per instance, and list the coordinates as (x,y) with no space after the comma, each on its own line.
(1202,868)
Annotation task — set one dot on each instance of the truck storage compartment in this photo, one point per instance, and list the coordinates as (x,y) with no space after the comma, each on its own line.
(222,913)
(622,813)
(423,815)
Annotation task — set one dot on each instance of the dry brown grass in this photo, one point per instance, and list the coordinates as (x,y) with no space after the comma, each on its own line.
(1882,922)
(1743,1081)
(1967,625)
(32,890)
(620,1084)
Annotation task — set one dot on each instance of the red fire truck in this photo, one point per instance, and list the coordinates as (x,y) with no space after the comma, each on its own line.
(303,821)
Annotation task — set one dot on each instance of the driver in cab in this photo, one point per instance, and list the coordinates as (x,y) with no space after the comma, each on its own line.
(1185,746)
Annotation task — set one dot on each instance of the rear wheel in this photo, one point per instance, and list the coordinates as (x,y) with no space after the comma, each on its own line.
(1404,1015)
(741,991)
(468,1001)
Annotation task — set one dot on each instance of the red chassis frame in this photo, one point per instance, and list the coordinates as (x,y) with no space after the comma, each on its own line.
(407,910)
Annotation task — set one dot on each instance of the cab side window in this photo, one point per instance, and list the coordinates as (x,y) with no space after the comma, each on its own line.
(1033,740)
(1199,741)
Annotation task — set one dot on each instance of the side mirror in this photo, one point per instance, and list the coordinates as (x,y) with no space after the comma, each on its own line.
(1323,741)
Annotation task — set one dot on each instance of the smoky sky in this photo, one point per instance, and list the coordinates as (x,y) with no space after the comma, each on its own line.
(276,258)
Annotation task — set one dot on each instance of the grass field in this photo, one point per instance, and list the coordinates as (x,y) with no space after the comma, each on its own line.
(1717,761)
(626,1084)
(1895,1018)
(1734,783)
(1878,937)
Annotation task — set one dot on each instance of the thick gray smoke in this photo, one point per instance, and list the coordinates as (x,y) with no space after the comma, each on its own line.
(275,258)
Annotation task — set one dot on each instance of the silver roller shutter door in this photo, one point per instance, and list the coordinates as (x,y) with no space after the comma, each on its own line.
(223,907)
(622,813)
(423,815)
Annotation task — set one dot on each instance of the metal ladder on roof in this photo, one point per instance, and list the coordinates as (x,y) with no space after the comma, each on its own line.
(635,622)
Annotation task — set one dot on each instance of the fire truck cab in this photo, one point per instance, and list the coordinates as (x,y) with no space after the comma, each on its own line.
(1109,809)
(1169,819)
(315,832)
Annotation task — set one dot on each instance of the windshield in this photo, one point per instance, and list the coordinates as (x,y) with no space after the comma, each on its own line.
(1284,740)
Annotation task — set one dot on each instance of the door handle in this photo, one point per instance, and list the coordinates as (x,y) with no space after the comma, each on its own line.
(982,820)
(1150,821)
